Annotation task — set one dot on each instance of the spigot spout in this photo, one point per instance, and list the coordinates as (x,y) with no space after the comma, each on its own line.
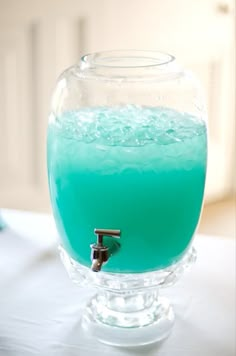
(96,265)
(99,256)
(99,252)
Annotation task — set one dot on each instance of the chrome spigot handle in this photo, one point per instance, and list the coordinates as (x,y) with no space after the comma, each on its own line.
(106,232)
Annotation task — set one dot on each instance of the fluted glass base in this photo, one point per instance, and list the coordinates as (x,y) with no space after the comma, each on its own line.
(128,321)
(127,309)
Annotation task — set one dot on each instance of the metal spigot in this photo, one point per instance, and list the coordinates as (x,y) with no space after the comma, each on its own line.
(100,253)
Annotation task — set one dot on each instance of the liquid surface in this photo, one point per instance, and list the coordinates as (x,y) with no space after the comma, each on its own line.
(137,169)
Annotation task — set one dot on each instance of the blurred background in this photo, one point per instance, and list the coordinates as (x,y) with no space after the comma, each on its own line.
(39,39)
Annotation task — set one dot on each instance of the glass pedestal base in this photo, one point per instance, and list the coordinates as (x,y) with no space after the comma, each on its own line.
(129,328)
(127,309)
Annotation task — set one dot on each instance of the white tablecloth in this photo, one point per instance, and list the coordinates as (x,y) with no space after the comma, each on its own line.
(40,307)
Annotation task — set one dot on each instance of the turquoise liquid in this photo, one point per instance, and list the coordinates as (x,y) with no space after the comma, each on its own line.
(137,169)
(2,223)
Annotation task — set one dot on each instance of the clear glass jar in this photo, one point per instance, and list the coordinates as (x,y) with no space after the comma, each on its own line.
(127,150)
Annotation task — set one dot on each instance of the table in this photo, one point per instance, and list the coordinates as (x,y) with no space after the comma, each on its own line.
(40,308)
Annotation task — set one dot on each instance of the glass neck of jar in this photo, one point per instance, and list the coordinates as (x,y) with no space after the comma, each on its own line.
(128,65)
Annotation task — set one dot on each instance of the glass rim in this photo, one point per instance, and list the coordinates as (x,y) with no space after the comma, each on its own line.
(127,59)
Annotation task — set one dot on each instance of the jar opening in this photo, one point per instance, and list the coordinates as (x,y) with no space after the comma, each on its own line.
(126,59)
